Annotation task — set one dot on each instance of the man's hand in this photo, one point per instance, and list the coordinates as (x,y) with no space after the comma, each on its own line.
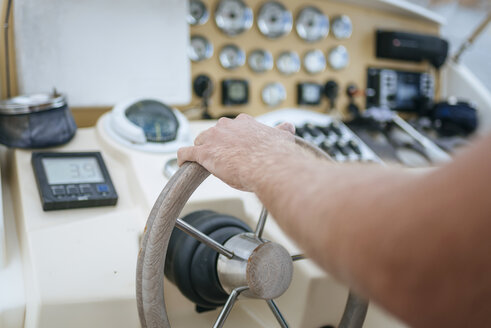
(236,151)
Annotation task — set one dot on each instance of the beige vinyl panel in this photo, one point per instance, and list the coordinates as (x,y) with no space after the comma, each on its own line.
(361,47)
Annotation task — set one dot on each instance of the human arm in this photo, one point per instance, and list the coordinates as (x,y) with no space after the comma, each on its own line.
(418,244)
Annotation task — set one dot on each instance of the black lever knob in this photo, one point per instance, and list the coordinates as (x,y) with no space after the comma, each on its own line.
(203,87)
(331,90)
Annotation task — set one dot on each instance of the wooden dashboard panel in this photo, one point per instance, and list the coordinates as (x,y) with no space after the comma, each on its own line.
(361,47)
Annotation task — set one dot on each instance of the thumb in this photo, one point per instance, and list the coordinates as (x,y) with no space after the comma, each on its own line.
(288,127)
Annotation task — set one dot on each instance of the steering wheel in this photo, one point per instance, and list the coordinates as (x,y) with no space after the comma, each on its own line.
(247,264)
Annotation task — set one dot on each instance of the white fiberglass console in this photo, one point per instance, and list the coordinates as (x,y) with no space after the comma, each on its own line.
(78,265)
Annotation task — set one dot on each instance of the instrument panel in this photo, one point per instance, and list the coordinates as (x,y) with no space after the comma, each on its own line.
(277,47)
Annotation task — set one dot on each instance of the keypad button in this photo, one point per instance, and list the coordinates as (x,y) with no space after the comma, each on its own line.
(58,190)
(85,189)
(72,190)
(102,188)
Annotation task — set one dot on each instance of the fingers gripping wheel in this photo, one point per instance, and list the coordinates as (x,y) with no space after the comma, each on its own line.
(242,253)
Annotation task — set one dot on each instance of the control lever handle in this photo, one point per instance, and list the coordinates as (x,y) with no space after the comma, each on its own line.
(203,87)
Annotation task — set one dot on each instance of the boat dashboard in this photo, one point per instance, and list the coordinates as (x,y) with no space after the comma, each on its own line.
(366,82)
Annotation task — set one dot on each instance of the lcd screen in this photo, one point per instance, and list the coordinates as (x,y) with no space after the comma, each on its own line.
(72,170)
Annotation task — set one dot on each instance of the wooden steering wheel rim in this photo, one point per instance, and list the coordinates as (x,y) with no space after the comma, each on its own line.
(157,233)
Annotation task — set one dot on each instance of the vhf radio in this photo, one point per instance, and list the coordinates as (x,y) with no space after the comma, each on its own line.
(399,90)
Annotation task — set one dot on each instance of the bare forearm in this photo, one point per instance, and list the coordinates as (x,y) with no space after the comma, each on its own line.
(381,231)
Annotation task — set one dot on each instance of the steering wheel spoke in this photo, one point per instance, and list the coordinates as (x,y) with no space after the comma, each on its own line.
(298,257)
(261,223)
(277,314)
(227,308)
(201,237)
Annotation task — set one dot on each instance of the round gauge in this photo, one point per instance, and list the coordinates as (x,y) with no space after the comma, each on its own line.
(158,122)
(312,25)
(273,94)
(274,20)
(288,63)
(200,48)
(232,56)
(338,58)
(342,28)
(261,61)
(198,13)
(233,17)
(314,61)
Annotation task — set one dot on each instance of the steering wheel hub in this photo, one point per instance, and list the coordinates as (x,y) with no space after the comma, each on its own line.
(263,267)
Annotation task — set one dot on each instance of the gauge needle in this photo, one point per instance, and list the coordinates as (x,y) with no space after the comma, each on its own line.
(157,131)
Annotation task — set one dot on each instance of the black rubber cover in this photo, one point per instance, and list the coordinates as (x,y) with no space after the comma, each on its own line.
(191,266)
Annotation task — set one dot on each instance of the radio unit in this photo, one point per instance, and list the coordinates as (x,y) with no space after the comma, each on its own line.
(399,90)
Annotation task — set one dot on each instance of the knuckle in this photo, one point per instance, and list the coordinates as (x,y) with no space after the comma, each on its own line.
(223,120)
(242,116)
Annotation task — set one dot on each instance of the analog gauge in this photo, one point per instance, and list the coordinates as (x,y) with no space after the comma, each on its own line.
(274,20)
(261,61)
(158,122)
(314,61)
(233,17)
(200,48)
(342,28)
(273,94)
(338,58)
(232,57)
(288,63)
(198,13)
(312,25)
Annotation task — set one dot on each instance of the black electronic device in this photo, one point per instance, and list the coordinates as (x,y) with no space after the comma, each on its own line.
(72,180)
(309,94)
(411,47)
(235,92)
(331,90)
(399,90)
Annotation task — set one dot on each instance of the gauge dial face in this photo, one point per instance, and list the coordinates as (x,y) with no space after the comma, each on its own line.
(314,62)
(233,17)
(232,57)
(157,121)
(200,48)
(338,58)
(342,28)
(198,13)
(261,61)
(274,20)
(288,63)
(273,94)
(312,25)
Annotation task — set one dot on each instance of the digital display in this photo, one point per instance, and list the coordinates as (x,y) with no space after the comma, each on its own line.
(407,95)
(311,93)
(237,91)
(69,170)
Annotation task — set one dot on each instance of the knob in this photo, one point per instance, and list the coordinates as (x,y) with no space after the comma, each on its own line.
(331,90)
(203,86)
(352,90)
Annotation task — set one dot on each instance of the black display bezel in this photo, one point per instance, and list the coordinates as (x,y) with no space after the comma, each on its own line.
(51,202)
(226,100)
